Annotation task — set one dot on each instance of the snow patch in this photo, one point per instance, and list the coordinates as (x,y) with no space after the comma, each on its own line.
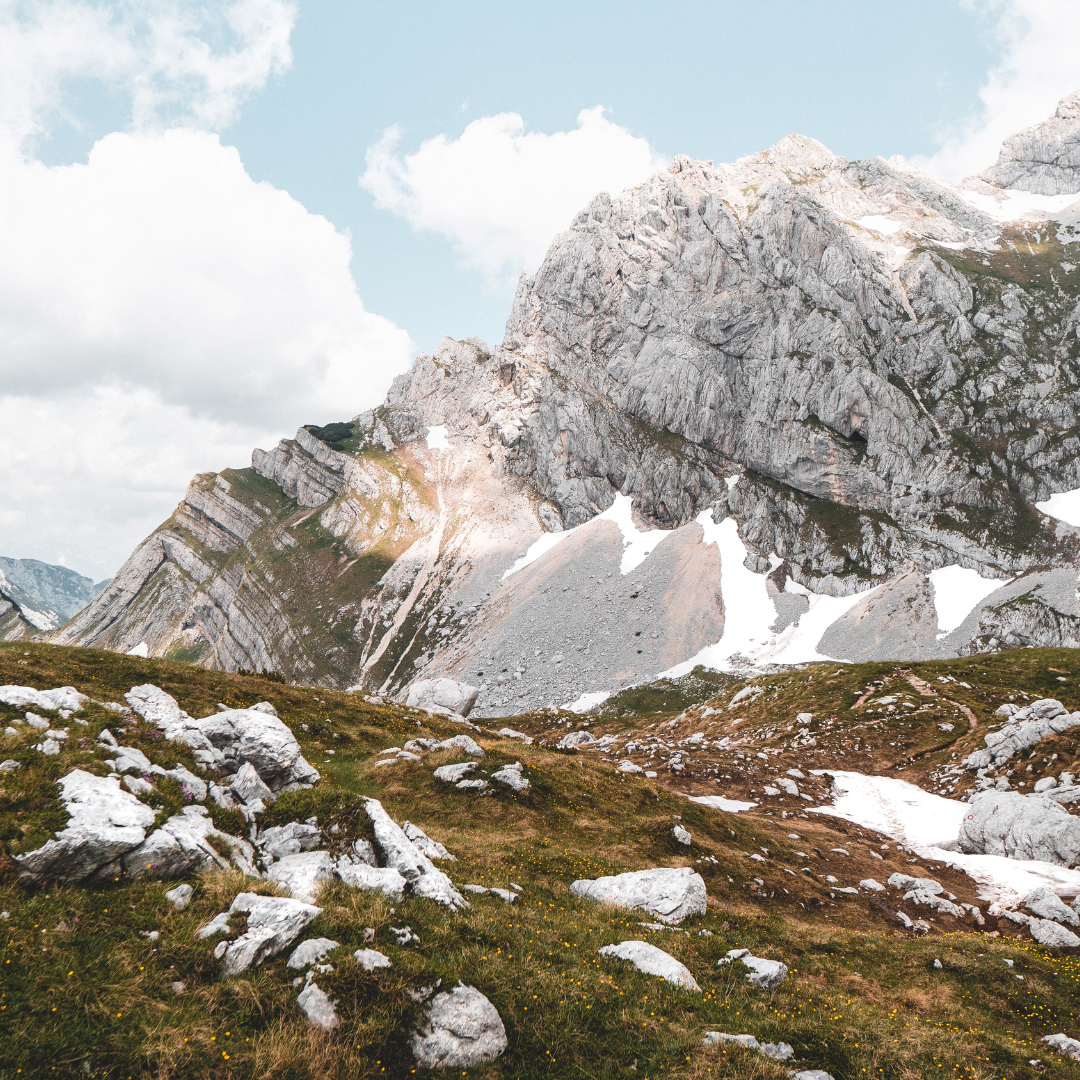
(1016,204)
(748,613)
(537,550)
(1065,506)
(588,701)
(142,649)
(879,223)
(718,802)
(929,826)
(436,438)
(957,590)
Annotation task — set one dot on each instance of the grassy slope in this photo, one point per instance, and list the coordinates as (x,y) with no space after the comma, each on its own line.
(84,989)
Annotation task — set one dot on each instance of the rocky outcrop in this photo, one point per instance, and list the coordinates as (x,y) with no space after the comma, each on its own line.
(672,895)
(1044,158)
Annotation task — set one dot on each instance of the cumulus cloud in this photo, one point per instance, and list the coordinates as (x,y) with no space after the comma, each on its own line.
(160,311)
(501,194)
(1039,42)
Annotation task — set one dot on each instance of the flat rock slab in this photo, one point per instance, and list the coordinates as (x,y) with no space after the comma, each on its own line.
(317,1007)
(458,1029)
(451,774)
(670,894)
(777,1051)
(303,874)
(653,961)
(765,974)
(371,959)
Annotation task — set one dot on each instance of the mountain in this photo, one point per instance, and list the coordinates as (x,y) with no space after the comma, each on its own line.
(36,596)
(792,408)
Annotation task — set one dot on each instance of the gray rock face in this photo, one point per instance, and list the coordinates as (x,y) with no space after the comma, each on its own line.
(1045,903)
(1024,728)
(459,1029)
(1048,932)
(1044,158)
(765,974)
(653,961)
(1020,827)
(442,696)
(672,895)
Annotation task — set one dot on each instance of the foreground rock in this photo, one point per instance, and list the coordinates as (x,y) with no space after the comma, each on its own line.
(458,1029)
(228,740)
(442,696)
(652,961)
(105,823)
(776,1051)
(670,894)
(63,697)
(766,974)
(183,846)
(317,1007)
(1052,934)
(1020,827)
(273,924)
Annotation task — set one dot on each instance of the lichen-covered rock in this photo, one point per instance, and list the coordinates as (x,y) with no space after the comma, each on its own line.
(1020,827)
(670,894)
(458,1029)
(652,961)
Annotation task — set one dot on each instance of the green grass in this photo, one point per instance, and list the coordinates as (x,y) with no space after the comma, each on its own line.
(85,992)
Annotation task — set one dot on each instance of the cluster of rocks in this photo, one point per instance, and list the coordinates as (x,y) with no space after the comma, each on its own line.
(1025,726)
(1049,919)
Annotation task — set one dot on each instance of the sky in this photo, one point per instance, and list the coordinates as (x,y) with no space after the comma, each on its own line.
(225,219)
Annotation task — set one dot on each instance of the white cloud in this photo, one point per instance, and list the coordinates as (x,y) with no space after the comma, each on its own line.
(160,311)
(1039,42)
(500,194)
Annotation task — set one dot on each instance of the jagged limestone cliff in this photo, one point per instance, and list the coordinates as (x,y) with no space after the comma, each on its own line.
(872,373)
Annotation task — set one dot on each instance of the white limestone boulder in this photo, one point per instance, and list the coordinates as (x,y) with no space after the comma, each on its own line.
(1020,827)
(62,697)
(310,952)
(670,894)
(281,840)
(105,823)
(317,1007)
(304,874)
(1046,904)
(1025,728)
(426,846)
(457,1030)
(273,924)
(764,974)
(652,961)
(359,875)
(575,738)
(442,696)
(182,846)
(452,774)
(371,959)
(510,776)
(463,743)
(1063,1045)
(1056,936)
(180,897)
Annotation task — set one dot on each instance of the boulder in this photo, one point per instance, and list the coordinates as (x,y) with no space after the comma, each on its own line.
(670,894)
(510,733)
(777,1051)
(444,696)
(179,897)
(765,974)
(1046,903)
(282,840)
(227,740)
(181,846)
(1020,827)
(1048,932)
(872,885)
(1063,1045)
(104,824)
(63,697)
(359,875)
(811,1074)
(510,775)
(309,952)
(371,959)
(9,766)
(471,785)
(457,1030)
(273,924)
(453,773)
(402,855)
(303,875)
(317,1007)
(463,743)
(431,848)
(575,738)
(652,961)
(682,836)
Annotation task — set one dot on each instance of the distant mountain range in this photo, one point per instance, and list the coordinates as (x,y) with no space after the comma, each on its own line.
(37,596)
(792,408)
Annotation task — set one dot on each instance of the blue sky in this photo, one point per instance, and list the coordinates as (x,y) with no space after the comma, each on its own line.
(226,218)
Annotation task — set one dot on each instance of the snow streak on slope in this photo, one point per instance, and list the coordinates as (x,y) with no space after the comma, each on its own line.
(929,825)
(956,592)
(637,545)
(1065,506)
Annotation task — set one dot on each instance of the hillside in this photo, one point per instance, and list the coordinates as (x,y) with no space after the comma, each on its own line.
(36,596)
(107,978)
(791,408)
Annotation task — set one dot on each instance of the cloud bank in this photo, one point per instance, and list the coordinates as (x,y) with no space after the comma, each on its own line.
(1039,42)
(500,194)
(161,313)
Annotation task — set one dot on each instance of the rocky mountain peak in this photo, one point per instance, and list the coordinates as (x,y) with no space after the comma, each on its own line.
(1044,158)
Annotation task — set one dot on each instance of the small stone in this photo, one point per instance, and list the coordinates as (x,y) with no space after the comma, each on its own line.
(766,974)
(309,952)
(219,924)
(370,959)
(937,965)
(511,777)
(652,961)
(872,885)
(1063,1045)
(180,897)
(317,1007)
(451,774)
(682,835)
(178,987)
(50,747)
(463,743)
(9,766)
(472,785)
(36,721)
